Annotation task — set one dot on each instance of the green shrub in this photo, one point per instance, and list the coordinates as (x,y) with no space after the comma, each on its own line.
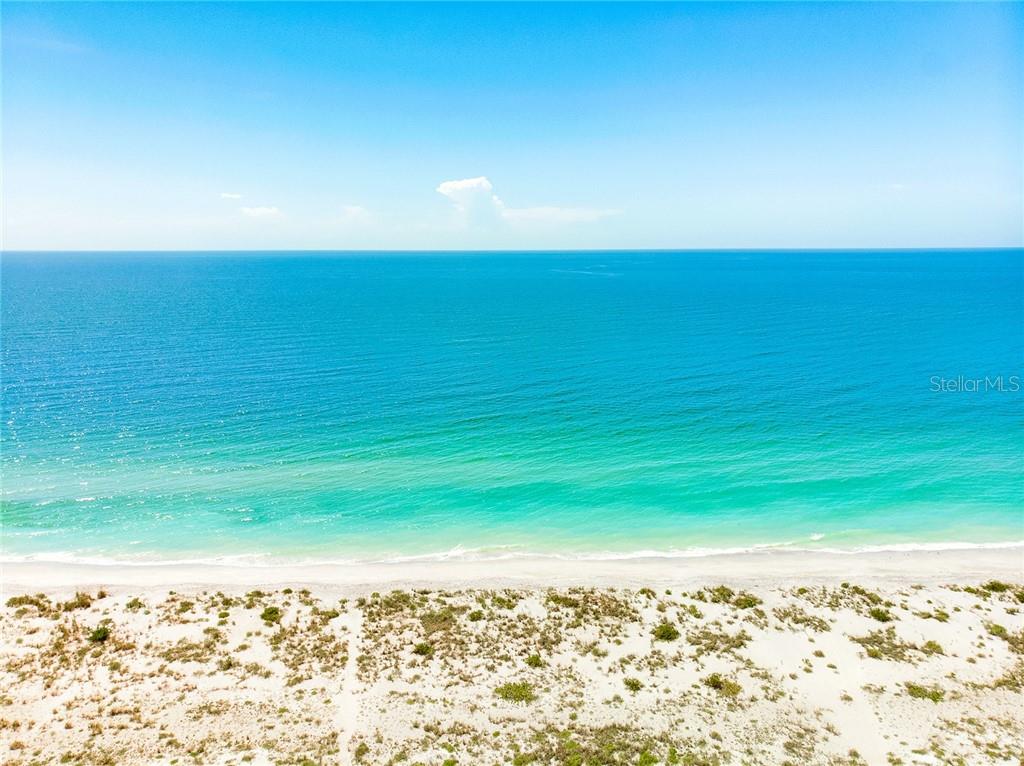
(666,631)
(1014,641)
(997,630)
(567,601)
(99,634)
(38,602)
(723,686)
(885,644)
(746,601)
(271,615)
(534,661)
(516,691)
(797,617)
(503,602)
(424,649)
(721,594)
(434,622)
(80,601)
(917,691)
(633,684)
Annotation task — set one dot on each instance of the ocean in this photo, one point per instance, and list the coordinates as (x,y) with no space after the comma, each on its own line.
(382,406)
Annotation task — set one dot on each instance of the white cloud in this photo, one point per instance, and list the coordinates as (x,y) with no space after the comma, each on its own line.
(478,206)
(474,200)
(468,190)
(260,212)
(229,195)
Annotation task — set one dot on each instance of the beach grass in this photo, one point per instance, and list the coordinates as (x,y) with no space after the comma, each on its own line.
(794,673)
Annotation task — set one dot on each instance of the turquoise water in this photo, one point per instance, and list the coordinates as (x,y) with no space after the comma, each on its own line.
(338,407)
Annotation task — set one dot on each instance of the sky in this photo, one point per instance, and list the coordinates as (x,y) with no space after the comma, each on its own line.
(511,126)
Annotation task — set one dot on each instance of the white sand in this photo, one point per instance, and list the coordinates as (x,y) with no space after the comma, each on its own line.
(757,568)
(191,672)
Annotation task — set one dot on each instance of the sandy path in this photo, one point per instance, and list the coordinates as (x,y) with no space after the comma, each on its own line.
(348,696)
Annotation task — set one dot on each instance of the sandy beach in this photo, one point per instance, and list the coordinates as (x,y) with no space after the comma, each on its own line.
(912,657)
(770,567)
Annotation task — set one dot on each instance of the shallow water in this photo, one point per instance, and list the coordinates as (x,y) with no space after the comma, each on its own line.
(371,406)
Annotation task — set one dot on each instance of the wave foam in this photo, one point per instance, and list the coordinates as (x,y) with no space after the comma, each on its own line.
(496,553)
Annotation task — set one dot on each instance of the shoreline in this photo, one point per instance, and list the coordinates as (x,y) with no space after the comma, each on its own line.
(775,567)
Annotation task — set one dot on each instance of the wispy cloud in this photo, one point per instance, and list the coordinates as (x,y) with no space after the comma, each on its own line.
(478,206)
(230,195)
(260,212)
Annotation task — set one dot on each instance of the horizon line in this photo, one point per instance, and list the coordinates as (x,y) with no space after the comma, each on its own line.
(5,251)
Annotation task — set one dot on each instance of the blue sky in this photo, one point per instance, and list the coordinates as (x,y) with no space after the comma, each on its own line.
(486,125)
